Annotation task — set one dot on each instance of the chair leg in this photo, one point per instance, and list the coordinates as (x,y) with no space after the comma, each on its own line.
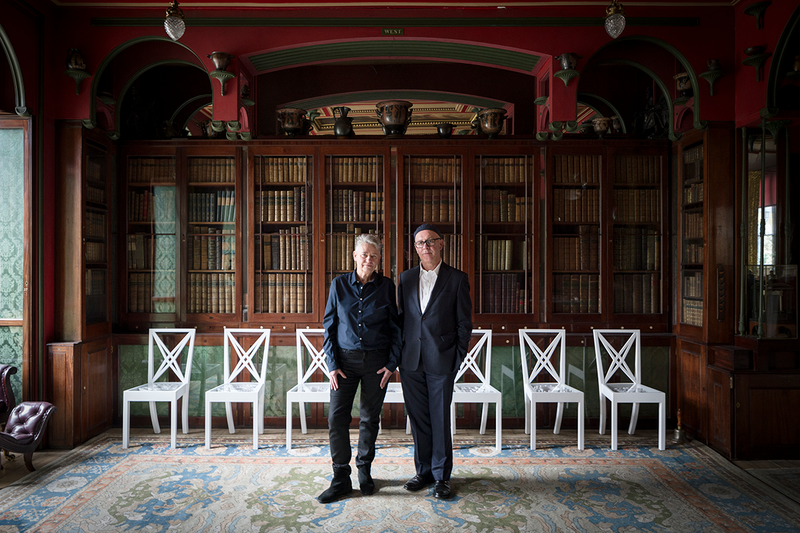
(453,418)
(484,417)
(527,414)
(580,425)
(261,415)
(602,414)
(229,413)
(614,414)
(208,423)
(408,425)
(288,424)
(559,414)
(662,425)
(185,412)
(255,424)
(533,424)
(29,462)
(173,423)
(126,422)
(154,418)
(303,426)
(634,419)
(498,421)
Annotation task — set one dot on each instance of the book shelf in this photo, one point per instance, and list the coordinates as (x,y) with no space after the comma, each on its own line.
(151,225)
(692,250)
(575,182)
(503,234)
(433,192)
(355,203)
(637,245)
(96,247)
(211,261)
(283,281)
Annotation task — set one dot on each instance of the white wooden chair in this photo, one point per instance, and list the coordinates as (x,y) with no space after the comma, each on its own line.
(394,394)
(241,391)
(627,392)
(480,391)
(163,391)
(307,390)
(556,391)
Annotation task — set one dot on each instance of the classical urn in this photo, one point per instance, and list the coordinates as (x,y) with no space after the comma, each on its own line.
(343,125)
(490,121)
(293,121)
(394,116)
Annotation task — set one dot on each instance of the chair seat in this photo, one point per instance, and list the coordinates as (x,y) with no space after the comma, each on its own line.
(630,388)
(157,387)
(236,388)
(551,388)
(474,388)
(311,388)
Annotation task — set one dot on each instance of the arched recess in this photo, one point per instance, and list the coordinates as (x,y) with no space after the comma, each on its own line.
(672,135)
(582,97)
(132,80)
(782,61)
(91,122)
(197,103)
(337,99)
(16,75)
(687,67)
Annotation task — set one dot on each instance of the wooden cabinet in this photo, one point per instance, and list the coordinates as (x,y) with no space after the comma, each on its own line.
(79,384)
(83,251)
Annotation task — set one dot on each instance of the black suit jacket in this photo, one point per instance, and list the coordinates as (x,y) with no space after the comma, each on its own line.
(440,336)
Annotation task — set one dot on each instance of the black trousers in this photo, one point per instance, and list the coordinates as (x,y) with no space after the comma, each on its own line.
(360,367)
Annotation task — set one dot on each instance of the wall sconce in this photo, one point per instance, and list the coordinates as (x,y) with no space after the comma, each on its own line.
(76,68)
(174,24)
(615,19)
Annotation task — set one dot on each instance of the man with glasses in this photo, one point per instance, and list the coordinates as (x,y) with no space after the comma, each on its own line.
(435,311)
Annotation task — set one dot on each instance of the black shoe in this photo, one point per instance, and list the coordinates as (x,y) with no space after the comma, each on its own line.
(418,482)
(365,481)
(340,486)
(442,490)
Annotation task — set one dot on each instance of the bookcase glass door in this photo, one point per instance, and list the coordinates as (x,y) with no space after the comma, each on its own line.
(354,204)
(96,245)
(283,232)
(152,237)
(576,194)
(434,195)
(503,216)
(210,238)
(636,221)
(692,252)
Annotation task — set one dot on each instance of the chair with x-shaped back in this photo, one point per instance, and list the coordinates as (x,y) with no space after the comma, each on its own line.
(556,391)
(158,387)
(238,391)
(480,391)
(625,392)
(307,390)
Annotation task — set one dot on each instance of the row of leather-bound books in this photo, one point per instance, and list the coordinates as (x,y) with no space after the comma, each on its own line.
(636,249)
(692,312)
(693,225)
(354,169)
(282,169)
(692,254)
(95,282)
(693,193)
(212,293)
(576,205)
(95,252)
(637,293)
(157,205)
(95,194)
(577,252)
(435,205)
(637,169)
(355,206)
(142,289)
(636,205)
(289,249)
(212,170)
(494,170)
(499,254)
(151,170)
(577,169)
(692,285)
(283,293)
(96,168)
(434,169)
(281,205)
(499,205)
(216,206)
(95,224)
(502,293)
(211,248)
(576,293)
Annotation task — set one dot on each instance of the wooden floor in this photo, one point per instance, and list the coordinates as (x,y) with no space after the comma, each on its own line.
(15,470)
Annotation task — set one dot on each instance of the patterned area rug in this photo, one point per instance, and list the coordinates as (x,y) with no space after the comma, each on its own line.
(232,488)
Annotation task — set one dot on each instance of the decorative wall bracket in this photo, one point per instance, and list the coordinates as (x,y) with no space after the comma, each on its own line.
(681,100)
(555,126)
(245,135)
(756,61)
(223,77)
(712,76)
(571,126)
(542,135)
(78,76)
(233,126)
(757,10)
(775,126)
(566,75)
(218,126)
(542,100)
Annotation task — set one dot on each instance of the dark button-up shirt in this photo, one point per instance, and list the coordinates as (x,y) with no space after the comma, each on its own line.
(362,316)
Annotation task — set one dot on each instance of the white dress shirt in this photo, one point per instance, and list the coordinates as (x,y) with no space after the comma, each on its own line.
(427,279)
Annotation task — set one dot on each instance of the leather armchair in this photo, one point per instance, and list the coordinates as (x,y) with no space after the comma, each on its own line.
(7,400)
(25,429)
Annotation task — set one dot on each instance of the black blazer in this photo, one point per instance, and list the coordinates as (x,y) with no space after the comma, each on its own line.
(440,336)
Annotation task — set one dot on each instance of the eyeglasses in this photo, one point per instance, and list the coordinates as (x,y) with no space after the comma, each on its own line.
(429,242)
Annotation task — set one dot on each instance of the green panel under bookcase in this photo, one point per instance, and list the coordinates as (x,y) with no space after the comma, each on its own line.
(12,181)
(11,354)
